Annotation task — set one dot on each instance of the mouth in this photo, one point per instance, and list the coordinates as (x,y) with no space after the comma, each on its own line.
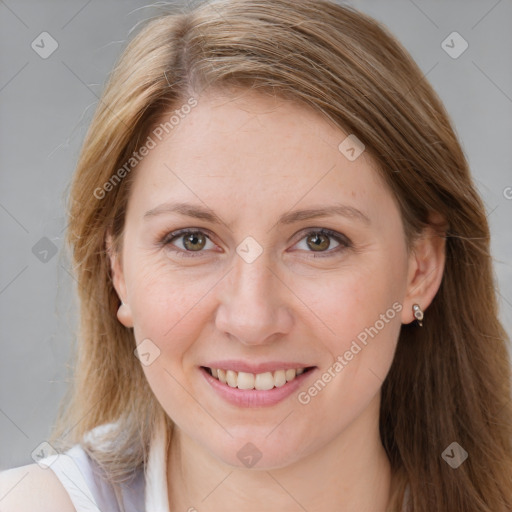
(264,381)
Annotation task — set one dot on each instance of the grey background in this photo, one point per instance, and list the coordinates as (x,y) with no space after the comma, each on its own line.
(47,104)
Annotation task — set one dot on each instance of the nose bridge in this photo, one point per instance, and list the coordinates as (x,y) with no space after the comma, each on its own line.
(251,307)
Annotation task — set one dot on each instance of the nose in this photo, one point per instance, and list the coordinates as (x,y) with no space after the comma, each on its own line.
(254,304)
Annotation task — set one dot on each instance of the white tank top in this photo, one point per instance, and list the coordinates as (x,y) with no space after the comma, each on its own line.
(89,492)
(146,492)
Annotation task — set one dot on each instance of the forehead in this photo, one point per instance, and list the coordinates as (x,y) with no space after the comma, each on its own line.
(253,149)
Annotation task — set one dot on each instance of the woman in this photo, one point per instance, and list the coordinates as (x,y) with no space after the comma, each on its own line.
(223,364)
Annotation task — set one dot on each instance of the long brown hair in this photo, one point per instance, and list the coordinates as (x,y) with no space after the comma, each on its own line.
(450,380)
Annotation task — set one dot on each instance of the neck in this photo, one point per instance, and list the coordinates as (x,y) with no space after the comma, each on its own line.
(350,473)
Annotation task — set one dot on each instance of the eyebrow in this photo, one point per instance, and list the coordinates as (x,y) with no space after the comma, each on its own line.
(199,212)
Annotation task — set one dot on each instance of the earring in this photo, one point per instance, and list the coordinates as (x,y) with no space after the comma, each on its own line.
(418,314)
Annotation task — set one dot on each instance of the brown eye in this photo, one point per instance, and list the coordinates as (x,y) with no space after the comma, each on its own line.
(192,244)
(194,241)
(318,241)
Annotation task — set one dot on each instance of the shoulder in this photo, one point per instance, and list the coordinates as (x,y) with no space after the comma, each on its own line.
(31,488)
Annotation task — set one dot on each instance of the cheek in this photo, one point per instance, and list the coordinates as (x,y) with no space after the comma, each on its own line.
(168,307)
(168,310)
(355,327)
(358,312)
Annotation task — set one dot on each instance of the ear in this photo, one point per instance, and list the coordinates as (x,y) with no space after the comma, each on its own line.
(124,314)
(426,267)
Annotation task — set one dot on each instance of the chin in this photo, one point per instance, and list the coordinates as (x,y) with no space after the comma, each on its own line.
(258,452)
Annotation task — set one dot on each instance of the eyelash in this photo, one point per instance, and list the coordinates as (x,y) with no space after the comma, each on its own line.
(344,242)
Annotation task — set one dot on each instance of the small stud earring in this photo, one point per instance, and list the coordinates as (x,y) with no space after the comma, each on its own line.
(418,314)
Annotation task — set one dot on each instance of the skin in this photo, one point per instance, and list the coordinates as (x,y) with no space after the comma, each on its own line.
(251,158)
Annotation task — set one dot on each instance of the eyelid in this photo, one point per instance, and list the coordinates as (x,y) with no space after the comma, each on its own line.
(168,236)
(344,241)
(165,241)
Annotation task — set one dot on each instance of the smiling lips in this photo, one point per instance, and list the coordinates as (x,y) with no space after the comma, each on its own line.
(251,384)
(259,381)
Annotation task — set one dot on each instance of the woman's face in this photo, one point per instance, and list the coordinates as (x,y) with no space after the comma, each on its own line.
(262,290)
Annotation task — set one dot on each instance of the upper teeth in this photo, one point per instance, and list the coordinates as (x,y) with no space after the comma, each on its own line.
(260,381)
